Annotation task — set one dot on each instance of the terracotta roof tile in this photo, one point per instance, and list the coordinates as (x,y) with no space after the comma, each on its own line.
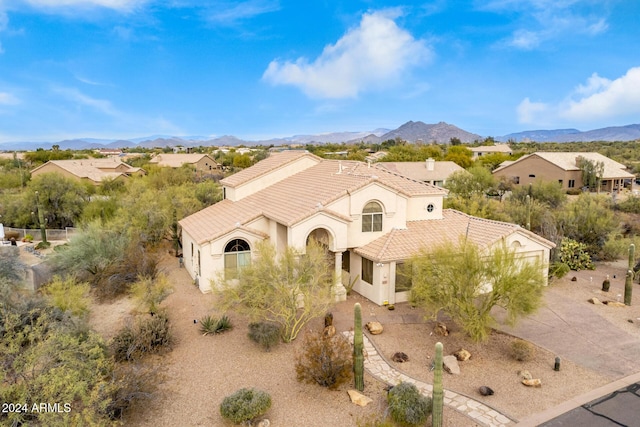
(401,244)
(274,161)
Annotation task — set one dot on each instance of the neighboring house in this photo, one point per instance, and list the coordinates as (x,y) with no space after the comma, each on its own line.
(563,167)
(109,151)
(370,220)
(201,162)
(490,149)
(88,170)
(429,171)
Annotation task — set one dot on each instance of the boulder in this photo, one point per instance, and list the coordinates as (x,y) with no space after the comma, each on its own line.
(400,357)
(375,328)
(450,364)
(359,398)
(485,391)
(614,304)
(263,423)
(329,331)
(574,279)
(441,329)
(595,301)
(462,355)
(532,382)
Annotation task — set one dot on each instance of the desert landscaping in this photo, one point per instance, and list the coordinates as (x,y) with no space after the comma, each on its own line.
(201,370)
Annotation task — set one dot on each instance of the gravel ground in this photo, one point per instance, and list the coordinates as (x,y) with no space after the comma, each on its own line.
(201,370)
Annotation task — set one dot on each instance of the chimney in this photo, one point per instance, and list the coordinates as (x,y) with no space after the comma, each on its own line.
(430,164)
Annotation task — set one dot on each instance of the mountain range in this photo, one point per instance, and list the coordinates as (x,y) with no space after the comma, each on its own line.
(411,131)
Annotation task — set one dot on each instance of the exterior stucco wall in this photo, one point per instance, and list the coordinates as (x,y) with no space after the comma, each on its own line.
(540,169)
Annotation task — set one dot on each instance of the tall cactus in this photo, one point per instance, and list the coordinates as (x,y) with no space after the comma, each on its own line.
(438,392)
(358,348)
(628,282)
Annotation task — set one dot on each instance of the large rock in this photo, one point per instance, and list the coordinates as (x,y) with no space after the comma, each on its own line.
(595,301)
(525,375)
(359,398)
(485,391)
(264,423)
(375,328)
(450,364)
(400,357)
(462,355)
(614,304)
(535,382)
(441,329)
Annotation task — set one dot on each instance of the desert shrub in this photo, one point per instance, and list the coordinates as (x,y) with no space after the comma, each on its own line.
(143,337)
(325,361)
(245,405)
(521,350)
(68,295)
(27,238)
(150,292)
(574,191)
(575,255)
(407,406)
(617,247)
(43,245)
(11,235)
(210,325)
(130,383)
(631,205)
(264,333)
(558,269)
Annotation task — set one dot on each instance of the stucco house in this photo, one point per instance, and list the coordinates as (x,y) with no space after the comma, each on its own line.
(563,167)
(201,162)
(483,150)
(370,219)
(429,171)
(89,170)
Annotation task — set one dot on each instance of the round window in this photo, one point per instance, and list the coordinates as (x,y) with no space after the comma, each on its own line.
(430,207)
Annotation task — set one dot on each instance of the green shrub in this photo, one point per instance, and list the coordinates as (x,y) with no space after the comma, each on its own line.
(210,325)
(575,255)
(407,406)
(574,191)
(144,337)
(27,238)
(43,245)
(245,405)
(522,351)
(68,295)
(325,361)
(558,269)
(264,333)
(150,292)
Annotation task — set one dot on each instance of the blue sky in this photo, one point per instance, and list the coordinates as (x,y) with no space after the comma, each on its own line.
(259,69)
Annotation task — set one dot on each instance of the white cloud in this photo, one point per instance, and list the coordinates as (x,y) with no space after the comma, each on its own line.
(109,4)
(8,99)
(529,112)
(599,99)
(374,54)
(541,21)
(236,11)
(604,98)
(74,95)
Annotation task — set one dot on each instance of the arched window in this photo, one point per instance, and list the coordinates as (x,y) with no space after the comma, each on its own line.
(237,254)
(372,217)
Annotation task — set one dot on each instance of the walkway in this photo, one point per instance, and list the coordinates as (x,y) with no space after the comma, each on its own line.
(378,367)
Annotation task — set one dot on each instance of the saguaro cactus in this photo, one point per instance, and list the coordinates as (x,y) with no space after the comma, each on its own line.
(628,282)
(438,392)
(358,348)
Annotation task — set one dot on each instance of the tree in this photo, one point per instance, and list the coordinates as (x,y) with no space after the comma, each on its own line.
(549,193)
(289,289)
(462,156)
(61,199)
(592,172)
(467,282)
(476,180)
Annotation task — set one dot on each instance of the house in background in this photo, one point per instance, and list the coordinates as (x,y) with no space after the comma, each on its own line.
(89,170)
(429,171)
(563,167)
(370,220)
(490,149)
(201,162)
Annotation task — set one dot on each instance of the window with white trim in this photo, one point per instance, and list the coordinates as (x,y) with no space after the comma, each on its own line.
(372,217)
(237,254)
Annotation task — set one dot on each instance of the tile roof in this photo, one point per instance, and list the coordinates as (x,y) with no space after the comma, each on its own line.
(567,161)
(274,161)
(177,160)
(82,169)
(401,244)
(418,170)
(299,196)
(497,148)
